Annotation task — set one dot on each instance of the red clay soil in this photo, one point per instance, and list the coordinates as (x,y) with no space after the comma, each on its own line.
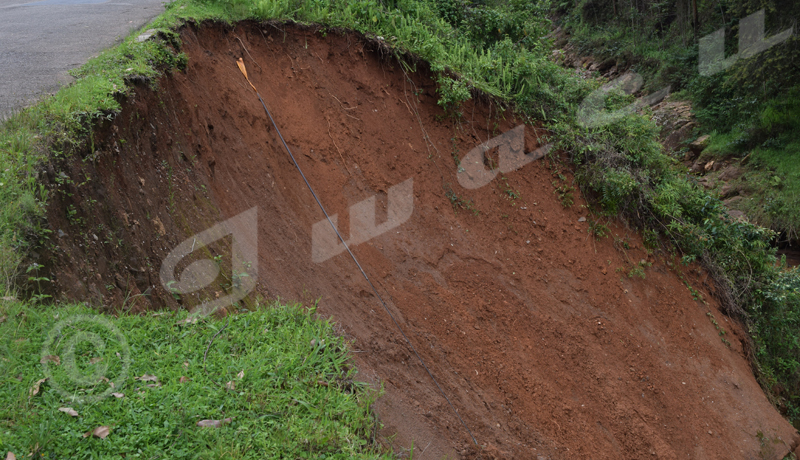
(534,330)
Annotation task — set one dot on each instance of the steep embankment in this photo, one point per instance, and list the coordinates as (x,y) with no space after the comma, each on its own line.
(535,330)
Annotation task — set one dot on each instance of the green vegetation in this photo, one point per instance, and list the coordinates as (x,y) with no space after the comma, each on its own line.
(498,48)
(510,63)
(460,203)
(295,398)
(751,109)
(281,377)
(59,126)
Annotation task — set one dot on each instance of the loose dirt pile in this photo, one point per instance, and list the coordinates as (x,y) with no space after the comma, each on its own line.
(535,330)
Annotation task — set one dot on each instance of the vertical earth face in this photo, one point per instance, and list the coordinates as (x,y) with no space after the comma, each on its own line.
(549,342)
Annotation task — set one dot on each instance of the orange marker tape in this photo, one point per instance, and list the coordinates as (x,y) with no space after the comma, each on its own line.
(240,63)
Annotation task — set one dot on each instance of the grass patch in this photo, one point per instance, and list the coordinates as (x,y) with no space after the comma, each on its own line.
(773,189)
(282,377)
(769,140)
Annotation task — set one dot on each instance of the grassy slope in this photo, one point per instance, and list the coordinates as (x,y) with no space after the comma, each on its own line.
(619,166)
(291,394)
(751,109)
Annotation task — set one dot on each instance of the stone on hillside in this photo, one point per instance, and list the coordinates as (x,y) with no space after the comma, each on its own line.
(733,201)
(737,215)
(147,34)
(706,183)
(677,137)
(730,173)
(609,63)
(700,144)
(697,167)
(728,190)
(611,72)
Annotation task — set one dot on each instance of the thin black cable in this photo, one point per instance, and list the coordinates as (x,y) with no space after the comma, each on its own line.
(362,270)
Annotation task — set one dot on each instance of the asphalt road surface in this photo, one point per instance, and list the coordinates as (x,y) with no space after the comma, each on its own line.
(41,41)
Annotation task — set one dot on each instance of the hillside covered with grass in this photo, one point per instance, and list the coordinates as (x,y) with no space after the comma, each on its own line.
(750,110)
(274,380)
(495,49)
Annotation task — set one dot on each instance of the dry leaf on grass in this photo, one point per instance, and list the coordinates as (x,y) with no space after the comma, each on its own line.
(147,378)
(95,360)
(35,388)
(118,395)
(240,375)
(68,410)
(188,320)
(213,423)
(184,379)
(11,456)
(101,432)
(50,359)
(230,385)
